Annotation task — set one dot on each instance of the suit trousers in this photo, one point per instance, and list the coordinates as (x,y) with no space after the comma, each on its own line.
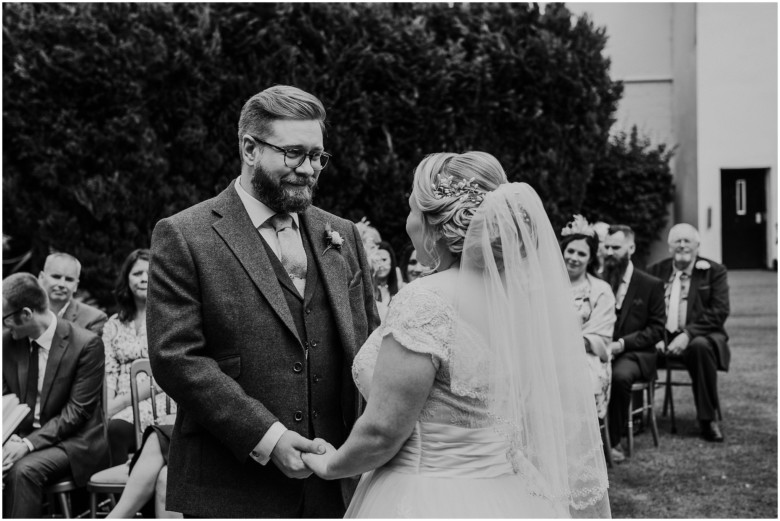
(625,371)
(702,364)
(23,491)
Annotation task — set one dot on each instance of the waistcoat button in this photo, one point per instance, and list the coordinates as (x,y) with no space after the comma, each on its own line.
(297,367)
(298,416)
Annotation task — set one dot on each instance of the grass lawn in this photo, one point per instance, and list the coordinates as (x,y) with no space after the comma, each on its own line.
(686,477)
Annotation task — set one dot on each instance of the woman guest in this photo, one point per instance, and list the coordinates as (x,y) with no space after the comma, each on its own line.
(385,276)
(124,337)
(477,405)
(411,268)
(594,301)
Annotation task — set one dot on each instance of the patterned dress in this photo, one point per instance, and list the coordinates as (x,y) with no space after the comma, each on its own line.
(123,346)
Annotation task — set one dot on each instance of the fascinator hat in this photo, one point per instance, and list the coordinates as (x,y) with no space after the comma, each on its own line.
(513,295)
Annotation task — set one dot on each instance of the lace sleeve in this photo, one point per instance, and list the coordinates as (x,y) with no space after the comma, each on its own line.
(420,321)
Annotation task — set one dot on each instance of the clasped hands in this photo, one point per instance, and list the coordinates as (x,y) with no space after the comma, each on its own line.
(298,457)
(676,346)
(13,450)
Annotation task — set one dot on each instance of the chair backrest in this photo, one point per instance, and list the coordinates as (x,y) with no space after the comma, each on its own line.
(142,366)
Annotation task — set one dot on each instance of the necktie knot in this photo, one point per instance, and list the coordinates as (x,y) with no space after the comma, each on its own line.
(281,221)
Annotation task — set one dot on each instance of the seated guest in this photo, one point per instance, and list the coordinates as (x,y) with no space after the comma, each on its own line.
(410,267)
(385,278)
(640,325)
(60,279)
(595,304)
(56,368)
(697,304)
(148,475)
(124,336)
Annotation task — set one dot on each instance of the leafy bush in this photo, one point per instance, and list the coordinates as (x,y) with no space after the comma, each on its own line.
(116,115)
(632,184)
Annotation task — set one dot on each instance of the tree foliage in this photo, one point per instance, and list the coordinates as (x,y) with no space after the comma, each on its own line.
(116,115)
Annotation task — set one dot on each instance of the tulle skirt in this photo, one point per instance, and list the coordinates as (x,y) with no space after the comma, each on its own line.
(450,472)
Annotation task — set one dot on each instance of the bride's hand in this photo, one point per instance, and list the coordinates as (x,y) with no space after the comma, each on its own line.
(318,463)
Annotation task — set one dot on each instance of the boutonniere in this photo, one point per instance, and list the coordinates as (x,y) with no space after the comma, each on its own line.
(702,265)
(638,302)
(332,239)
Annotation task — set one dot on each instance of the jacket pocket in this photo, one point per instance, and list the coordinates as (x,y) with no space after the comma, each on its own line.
(230,365)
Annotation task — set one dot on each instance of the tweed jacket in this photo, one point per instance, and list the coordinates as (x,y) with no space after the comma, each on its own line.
(708,303)
(641,321)
(85,316)
(223,344)
(71,415)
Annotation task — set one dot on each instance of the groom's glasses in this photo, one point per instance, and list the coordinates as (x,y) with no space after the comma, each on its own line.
(294,157)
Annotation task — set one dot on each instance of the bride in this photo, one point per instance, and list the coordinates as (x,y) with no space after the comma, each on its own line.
(478,401)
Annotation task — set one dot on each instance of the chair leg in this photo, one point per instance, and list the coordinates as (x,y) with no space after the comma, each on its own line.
(64,499)
(93,505)
(607,444)
(630,436)
(651,413)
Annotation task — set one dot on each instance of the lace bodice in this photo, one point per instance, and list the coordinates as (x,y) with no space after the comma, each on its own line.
(422,320)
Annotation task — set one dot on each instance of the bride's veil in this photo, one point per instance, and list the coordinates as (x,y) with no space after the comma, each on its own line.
(513,291)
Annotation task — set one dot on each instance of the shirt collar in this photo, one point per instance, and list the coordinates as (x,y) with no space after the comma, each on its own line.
(629,272)
(258,212)
(47,337)
(688,271)
(61,312)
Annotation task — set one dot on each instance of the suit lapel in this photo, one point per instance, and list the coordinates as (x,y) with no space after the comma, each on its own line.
(334,274)
(59,346)
(693,288)
(71,312)
(21,352)
(245,242)
(627,300)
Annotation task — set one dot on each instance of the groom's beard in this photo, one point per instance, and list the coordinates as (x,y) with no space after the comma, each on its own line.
(291,194)
(614,269)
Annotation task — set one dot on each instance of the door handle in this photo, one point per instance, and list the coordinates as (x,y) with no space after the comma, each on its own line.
(759,216)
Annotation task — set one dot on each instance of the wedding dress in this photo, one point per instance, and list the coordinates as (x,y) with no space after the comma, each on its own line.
(509,428)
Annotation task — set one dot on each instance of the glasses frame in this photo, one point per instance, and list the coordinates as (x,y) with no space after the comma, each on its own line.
(305,155)
(12,313)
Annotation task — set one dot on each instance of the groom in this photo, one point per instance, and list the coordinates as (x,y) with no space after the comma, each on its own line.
(258,302)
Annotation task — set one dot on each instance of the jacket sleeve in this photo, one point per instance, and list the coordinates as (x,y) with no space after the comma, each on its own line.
(206,396)
(716,307)
(599,328)
(84,399)
(646,338)
(97,323)
(372,312)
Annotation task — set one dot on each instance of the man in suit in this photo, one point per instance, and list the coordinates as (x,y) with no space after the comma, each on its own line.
(60,279)
(639,300)
(57,368)
(258,302)
(697,305)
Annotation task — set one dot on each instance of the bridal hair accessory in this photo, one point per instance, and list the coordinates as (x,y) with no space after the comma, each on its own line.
(578,226)
(332,239)
(464,190)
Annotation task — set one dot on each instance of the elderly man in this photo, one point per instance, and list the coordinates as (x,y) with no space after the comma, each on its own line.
(639,300)
(697,304)
(60,279)
(56,368)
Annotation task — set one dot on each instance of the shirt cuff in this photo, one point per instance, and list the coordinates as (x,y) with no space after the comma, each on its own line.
(262,451)
(29,444)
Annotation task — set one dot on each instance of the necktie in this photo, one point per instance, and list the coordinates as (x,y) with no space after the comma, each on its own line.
(31,390)
(673,311)
(291,250)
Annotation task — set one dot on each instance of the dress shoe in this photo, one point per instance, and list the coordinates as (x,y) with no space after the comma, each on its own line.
(710,431)
(617,455)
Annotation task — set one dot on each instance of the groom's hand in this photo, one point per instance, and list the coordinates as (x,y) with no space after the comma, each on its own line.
(287,454)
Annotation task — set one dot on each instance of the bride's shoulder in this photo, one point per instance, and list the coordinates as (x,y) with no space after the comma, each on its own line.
(430,289)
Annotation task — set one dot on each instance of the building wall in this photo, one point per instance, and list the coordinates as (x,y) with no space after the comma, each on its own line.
(737,100)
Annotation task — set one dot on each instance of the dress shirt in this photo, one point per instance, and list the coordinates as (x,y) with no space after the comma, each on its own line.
(685,286)
(61,312)
(623,288)
(45,340)
(259,213)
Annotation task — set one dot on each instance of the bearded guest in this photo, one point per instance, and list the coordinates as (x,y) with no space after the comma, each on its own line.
(641,314)
(257,304)
(697,305)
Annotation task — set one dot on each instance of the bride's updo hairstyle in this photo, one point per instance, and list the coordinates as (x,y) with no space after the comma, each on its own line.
(447,188)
